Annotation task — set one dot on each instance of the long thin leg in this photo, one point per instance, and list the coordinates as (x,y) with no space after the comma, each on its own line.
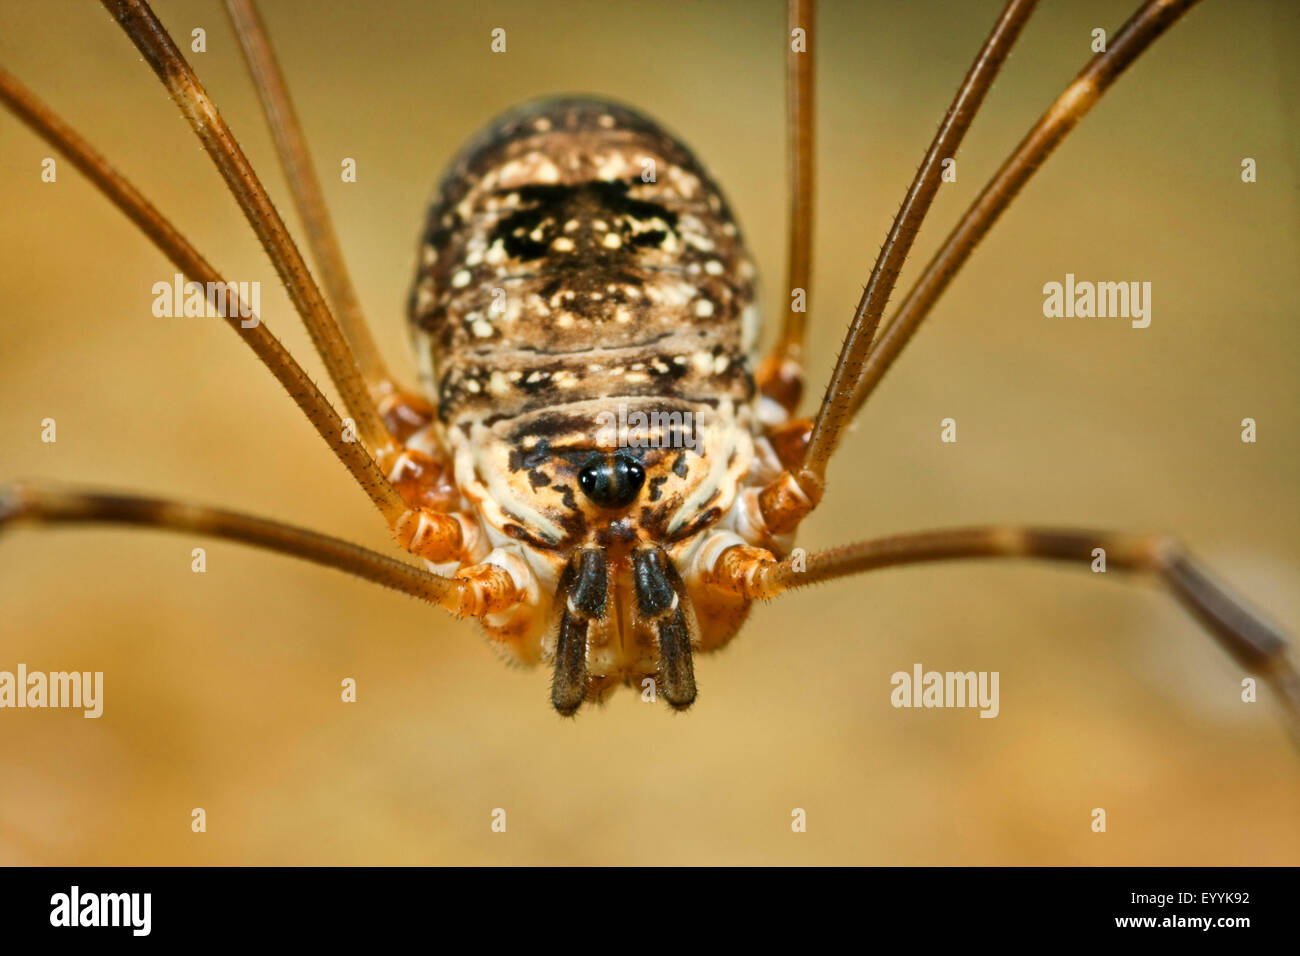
(153,41)
(780,376)
(165,236)
(435,536)
(291,146)
(488,592)
(792,495)
(1148,23)
(1253,642)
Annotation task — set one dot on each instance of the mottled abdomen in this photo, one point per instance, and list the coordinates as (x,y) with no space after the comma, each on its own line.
(576,251)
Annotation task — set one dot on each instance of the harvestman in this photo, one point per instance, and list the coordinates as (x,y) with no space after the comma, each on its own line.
(547,264)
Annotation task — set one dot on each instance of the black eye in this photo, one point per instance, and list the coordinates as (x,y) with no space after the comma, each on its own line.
(612,481)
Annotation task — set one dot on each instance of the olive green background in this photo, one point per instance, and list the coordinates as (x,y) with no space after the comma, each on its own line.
(222,689)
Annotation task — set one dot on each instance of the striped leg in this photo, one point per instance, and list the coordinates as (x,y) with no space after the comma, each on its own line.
(403,412)
(861,364)
(1070,107)
(793,494)
(475,591)
(781,373)
(1255,644)
(160,52)
(419,528)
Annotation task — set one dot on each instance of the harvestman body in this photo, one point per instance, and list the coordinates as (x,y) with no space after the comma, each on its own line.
(579,266)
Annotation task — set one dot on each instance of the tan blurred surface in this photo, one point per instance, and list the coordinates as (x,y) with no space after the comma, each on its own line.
(222,689)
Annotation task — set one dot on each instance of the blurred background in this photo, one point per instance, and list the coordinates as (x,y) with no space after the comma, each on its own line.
(222,689)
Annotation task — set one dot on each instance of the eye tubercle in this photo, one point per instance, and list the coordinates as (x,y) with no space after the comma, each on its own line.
(612,481)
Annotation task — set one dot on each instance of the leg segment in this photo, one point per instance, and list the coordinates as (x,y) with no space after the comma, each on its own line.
(402,411)
(474,592)
(861,364)
(1070,107)
(780,376)
(189,261)
(153,41)
(795,493)
(1255,644)
(420,529)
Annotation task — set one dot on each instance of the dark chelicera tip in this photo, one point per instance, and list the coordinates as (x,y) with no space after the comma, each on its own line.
(582,596)
(676,665)
(612,481)
(569,686)
(660,602)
